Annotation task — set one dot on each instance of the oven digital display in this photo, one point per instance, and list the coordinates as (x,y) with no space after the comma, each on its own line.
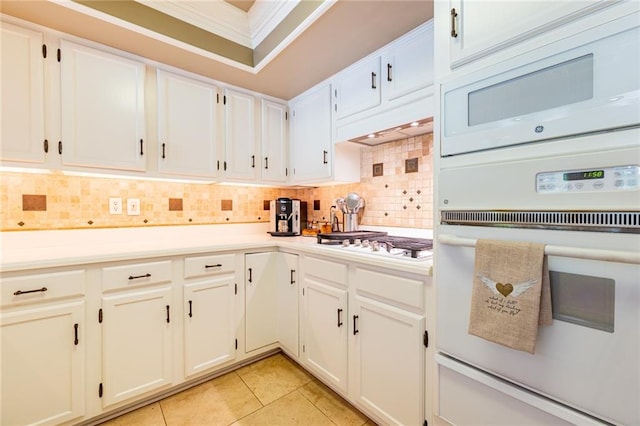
(587,174)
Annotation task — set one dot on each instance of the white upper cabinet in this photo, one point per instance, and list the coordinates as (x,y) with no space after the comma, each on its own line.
(102,109)
(22,80)
(358,88)
(188,126)
(479,28)
(408,63)
(311,135)
(241,160)
(274,142)
(391,87)
(314,157)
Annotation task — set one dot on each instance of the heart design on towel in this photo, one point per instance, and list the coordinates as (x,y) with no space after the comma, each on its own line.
(504,289)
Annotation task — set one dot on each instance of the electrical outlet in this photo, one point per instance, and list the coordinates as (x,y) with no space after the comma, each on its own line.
(115,205)
(133,206)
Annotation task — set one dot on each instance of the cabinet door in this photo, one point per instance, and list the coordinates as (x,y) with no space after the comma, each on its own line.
(358,88)
(408,64)
(136,343)
(481,28)
(43,364)
(209,324)
(311,135)
(22,80)
(325,332)
(387,361)
(187,126)
(241,143)
(274,142)
(103,123)
(287,311)
(261,301)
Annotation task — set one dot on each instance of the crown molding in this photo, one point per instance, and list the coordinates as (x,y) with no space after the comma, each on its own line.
(216,17)
(265,15)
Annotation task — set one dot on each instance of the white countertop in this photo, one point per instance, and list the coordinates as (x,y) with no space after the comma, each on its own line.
(25,250)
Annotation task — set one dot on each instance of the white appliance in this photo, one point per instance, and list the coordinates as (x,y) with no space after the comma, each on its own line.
(578,192)
(582,84)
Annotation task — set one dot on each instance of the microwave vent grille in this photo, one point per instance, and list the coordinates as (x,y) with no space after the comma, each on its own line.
(598,221)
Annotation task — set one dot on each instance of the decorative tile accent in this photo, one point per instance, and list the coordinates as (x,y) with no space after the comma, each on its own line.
(226,205)
(175,204)
(266,204)
(34,203)
(411,165)
(378,169)
(316,204)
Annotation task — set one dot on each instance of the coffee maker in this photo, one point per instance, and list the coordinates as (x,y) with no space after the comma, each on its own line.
(284,217)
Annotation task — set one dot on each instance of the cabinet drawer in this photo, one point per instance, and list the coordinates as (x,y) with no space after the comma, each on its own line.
(399,289)
(209,265)
(135,275)
(327,270)
(42,287)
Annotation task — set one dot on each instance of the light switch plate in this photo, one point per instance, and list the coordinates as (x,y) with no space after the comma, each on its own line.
(133,206)
(115,205)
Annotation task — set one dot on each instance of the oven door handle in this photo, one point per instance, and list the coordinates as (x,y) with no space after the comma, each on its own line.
(616,256)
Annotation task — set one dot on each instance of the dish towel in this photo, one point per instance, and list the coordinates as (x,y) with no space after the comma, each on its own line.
(511,293)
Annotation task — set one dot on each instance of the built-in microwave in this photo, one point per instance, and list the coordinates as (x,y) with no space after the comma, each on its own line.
(583,84)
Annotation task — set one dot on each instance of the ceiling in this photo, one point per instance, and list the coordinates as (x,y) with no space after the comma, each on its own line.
(243,5)
(343,32)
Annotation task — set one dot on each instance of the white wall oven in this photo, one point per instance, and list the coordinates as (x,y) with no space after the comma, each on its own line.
(576,190)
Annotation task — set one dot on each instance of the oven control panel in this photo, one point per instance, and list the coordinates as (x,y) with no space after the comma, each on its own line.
(620,178)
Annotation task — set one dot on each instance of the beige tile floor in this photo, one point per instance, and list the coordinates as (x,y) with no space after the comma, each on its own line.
(274,391)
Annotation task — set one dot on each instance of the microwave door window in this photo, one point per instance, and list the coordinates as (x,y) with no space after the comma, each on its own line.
(556,86)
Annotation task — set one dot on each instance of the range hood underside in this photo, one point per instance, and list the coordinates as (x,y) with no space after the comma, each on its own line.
(403,131)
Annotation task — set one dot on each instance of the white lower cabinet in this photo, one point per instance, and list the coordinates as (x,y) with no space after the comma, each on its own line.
(43,348)
(386,363)
(325,320)
(209,312)
(364,335)
(137,343)
(325,332)
(43,363)
(261,300)
(209,329)
(288,306)
(356,327)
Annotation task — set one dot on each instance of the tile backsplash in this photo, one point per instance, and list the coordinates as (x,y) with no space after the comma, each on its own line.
(399,197)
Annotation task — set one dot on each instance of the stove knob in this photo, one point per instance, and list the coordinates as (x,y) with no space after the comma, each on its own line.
(345,243)
(357,242)
(375,246)
(365,243)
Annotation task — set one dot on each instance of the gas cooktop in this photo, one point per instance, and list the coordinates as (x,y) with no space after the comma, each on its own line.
(380,243)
